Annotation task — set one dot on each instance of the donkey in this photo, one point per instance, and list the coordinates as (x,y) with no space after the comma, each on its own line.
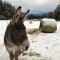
(15,39)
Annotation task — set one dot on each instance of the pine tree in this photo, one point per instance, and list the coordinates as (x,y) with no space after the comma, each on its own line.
(6,10)
(57,13)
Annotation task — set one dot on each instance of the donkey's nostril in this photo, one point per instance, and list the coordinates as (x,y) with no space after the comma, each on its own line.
(26,47)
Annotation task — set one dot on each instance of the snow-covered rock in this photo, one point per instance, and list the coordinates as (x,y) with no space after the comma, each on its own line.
(48,25)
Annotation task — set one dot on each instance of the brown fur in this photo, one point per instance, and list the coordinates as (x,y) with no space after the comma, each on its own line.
(15,39)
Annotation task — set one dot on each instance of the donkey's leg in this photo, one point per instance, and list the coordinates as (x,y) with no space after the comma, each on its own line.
(11,56)
(16,55)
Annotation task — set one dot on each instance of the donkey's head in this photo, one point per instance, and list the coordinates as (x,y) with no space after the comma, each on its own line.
(19,16)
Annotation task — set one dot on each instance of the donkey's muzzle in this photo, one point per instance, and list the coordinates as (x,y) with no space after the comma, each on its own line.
(27,47)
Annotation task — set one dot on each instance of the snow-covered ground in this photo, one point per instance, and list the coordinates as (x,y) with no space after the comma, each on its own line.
(43,46)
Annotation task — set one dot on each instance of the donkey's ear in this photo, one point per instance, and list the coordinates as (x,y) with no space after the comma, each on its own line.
(18,11)
(27,12)
(26,15)
(19,8)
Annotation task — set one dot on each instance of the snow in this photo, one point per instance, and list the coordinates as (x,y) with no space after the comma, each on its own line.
(43,46)
(32,24)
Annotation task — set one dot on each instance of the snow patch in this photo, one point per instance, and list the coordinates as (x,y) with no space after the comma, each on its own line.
(47,45)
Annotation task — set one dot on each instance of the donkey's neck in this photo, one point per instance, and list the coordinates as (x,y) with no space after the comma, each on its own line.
(19,26)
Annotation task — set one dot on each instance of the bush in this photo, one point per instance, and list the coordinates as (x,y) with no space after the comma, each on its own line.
(2,17)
